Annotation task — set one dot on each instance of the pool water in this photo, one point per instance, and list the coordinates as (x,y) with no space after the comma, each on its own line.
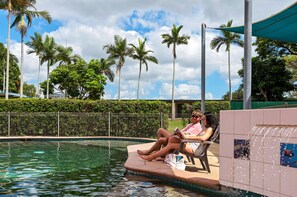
(74,168)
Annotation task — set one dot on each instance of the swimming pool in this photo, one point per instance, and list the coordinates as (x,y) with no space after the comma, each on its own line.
(74,168)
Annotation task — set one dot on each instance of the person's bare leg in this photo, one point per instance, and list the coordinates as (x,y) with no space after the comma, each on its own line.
(163,133)
(156,146)
(174,139)
(167,149)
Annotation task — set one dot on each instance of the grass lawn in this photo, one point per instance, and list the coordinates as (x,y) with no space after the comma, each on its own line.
(175,123)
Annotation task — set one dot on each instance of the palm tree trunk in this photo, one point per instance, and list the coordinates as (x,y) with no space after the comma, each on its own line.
(119,85)
(139,80)
(22,65)
(172,96)
(3,82)
(229,73)
(39,64)
(8,51)
(47,82)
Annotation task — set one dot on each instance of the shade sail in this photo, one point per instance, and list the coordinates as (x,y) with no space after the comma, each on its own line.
(281,26)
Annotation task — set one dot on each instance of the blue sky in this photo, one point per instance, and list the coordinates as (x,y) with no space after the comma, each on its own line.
(87,25)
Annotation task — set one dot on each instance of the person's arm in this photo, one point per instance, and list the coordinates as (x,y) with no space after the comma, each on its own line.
(204,137)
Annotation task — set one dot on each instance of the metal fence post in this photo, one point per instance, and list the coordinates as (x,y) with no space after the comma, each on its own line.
(58,123)
(109,120)
(161,119)
(8,126)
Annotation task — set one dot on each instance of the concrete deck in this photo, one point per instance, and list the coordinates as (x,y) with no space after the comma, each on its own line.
(192,174)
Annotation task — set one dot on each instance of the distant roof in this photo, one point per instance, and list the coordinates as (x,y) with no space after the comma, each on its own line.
(281,26)
(11,94)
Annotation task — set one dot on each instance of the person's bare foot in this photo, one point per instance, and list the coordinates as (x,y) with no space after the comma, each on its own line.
(142,152)
(145,157)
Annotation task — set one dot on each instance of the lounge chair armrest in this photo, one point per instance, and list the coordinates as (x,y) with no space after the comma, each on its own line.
(207,142)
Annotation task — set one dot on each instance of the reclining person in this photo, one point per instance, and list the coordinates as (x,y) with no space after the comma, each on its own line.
(210,123)
(163,135)
(194,128)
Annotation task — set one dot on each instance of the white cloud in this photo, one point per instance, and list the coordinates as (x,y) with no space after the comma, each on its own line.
(87,25)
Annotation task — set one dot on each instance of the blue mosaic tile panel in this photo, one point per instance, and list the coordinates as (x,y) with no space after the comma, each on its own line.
(288,155)
(241,149)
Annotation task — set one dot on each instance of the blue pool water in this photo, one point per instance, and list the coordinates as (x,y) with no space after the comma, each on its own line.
(74,168)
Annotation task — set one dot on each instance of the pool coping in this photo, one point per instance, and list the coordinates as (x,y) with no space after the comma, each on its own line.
(13,138)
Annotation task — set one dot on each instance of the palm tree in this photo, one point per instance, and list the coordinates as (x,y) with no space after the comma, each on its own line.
(105,68)
(119,50)
(36,46)
(65,55)
(11,6)
(174,39)
(142,55)
(21,25)
(49,54)
(227,38)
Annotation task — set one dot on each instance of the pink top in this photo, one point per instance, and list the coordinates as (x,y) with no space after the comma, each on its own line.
(192,129)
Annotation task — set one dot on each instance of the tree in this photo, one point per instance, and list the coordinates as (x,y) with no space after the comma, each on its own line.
(227,38)
(105,65)
(81,80)
(174,39)
(49,55)
(45,90)
(65,55)
(12,6)
(36,46)
(280,50)
(118,51)
(29,90)
(14,72)
(21,25)
(142,55)
(270,79)
(236,95)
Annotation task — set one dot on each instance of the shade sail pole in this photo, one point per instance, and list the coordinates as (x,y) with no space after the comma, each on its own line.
(247,54)
(203,26)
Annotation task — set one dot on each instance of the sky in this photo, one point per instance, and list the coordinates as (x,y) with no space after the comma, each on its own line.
(88,25)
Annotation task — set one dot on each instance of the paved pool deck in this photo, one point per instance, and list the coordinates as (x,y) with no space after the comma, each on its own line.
(192,174)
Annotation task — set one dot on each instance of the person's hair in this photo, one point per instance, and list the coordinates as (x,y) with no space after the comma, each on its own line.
(197,112)
(211,120)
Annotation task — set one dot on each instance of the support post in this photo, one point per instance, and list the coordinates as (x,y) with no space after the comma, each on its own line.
(58,123)
(247,54)
(109,122)
(203,26)
(8,126)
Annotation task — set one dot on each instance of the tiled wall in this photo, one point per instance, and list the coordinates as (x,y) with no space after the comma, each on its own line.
(262,172)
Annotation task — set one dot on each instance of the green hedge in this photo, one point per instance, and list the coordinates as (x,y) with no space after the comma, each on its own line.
(71,105)
(210,106)
(81,118)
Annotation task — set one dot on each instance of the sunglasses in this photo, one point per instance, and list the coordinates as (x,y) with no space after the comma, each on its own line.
(193,116)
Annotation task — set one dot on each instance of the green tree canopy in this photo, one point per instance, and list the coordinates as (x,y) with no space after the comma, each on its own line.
(29,89)
(14,72)
(270,77)
(81,80)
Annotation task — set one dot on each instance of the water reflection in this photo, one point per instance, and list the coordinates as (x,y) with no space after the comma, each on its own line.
(74,168)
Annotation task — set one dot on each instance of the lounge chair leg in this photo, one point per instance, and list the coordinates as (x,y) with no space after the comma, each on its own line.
(203,164)
(193,161)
